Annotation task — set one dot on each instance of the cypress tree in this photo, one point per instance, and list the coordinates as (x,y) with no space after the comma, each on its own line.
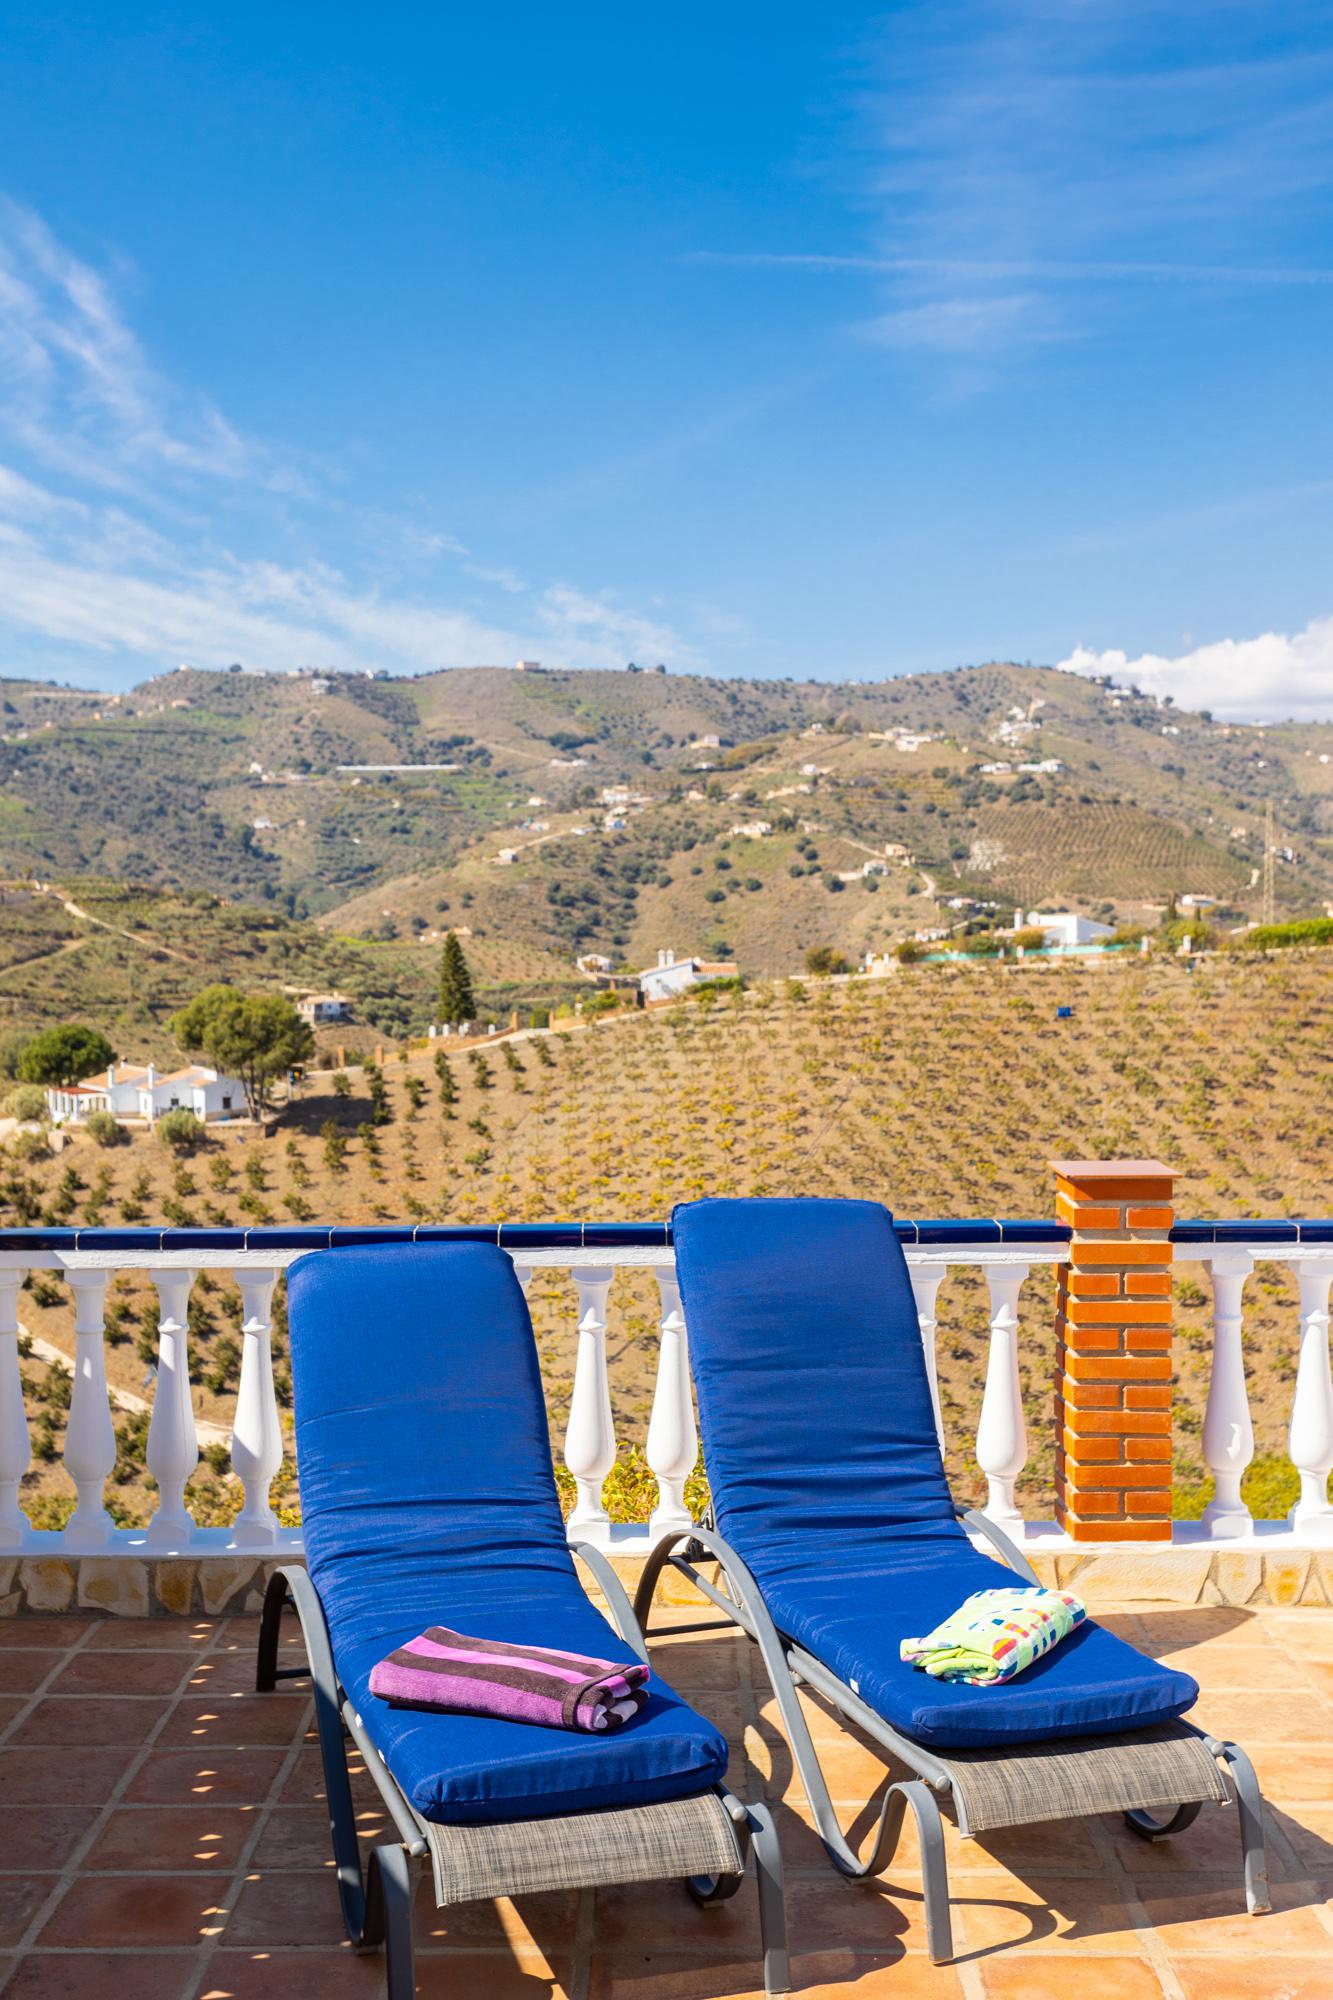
(456,1001)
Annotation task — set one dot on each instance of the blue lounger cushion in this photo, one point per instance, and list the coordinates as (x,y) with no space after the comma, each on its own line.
(825,1470)
(428,1497)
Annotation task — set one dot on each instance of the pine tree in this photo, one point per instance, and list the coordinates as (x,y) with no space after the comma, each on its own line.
(456,1001)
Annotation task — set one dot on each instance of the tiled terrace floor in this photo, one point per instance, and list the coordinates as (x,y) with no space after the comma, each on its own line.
(162,1838)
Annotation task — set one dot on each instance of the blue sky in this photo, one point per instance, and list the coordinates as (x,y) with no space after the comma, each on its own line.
(756,340)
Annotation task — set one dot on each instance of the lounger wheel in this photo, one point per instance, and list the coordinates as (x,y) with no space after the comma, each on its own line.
(1149,1828)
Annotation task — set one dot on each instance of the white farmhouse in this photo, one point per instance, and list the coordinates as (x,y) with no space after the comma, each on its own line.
(1063,928)
(318,1007)
(672,975)
(753,829)
(139,1090)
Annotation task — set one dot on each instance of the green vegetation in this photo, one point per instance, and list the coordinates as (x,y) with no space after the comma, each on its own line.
(1272,937)
(257,1037)
(64,1055)
(180,1130)
(457,1003)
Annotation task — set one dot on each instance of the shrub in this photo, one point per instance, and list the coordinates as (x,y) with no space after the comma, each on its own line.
(541,1017)
(27,1146)
(180,1130)
(105,1130)
(910,952)
(1031,938)
(822,959)
(1312,930)
(27,1102)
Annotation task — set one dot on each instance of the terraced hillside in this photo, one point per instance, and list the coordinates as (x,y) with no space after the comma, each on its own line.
(1008,784)
(938,1091)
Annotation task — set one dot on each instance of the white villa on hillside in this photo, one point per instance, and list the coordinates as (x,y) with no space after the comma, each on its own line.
(672,975)
(317,1007)
(1063,928)
(137,1090)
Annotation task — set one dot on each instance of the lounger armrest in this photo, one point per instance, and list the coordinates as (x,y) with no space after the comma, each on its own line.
(973,1518)
(617,1598)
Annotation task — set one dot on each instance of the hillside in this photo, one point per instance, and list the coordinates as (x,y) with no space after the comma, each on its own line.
(941,1091)
(230,784)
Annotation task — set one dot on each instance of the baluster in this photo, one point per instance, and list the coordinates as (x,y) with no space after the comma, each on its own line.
(926,1280)
(1310,1440)
(590,1438)
(1002,1443)
(256,1438)
(1228,1434)
(173,1446)
(673,1441)
(15,1452)
(90,1438)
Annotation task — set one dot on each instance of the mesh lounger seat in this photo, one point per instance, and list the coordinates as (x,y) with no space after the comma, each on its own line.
(428,1497)
(836,1537)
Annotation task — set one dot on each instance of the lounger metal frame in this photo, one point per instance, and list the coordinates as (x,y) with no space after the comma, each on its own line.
(788,1665)
(377,1904)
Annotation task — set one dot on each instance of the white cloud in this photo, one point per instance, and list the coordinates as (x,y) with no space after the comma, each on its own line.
(1266,679)
(110,512)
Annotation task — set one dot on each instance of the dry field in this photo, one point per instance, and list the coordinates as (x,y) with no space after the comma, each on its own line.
(941,1091)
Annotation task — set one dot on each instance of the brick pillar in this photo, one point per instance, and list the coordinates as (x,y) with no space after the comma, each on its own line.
(1113,1351)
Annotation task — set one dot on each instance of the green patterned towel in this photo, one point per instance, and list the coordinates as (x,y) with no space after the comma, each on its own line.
(996,1634)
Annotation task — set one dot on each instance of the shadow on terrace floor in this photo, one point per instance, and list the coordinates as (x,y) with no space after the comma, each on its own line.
(164,1833)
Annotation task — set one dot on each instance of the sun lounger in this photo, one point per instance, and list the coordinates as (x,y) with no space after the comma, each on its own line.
(428,1496)
(836,1536)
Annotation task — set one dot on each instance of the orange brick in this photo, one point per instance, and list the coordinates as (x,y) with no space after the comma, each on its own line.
(1118,1367)
(1144,1450)
(1099,1503)
(1120,1312)
(1150,1218)
(1155,1505)
(1093,1339)
(1115,1531)
(1082,1215)
(1093,1396)
(1091,1447)
(1117,1423)
(1094,1284)
(1148,1339)
(1121,1476)
(1120,1252)
(1149,1398)
(1148,1284)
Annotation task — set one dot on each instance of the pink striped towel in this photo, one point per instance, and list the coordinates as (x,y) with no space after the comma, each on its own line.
(447,1671)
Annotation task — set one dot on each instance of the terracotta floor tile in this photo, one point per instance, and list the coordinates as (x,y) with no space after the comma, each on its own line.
(176,1635)
(1267,1979)
(1198,1917)
(661,1915)
(1309,1829)
(171,1839)
(523,1924)
(825,1912)
(233,1718)
(1249,1668)
(61,1632)
(1287,1775)
(1211,1845)
(286,1909)
(120,1673)
(35,1777)
(694,1664)
(298,1837)
(296,1975)
(24,1668)
(1254,1719)
(234,1673)
(199,1777)
(41,1837)
(838,1975)
(92,1975)
(668,1975)
(10,1706)
(1026,1977)
(124,1910)
(21,1896)
(1318,1671)
(305,1780)
(92,1720)
(1073,1916)
(497,1976)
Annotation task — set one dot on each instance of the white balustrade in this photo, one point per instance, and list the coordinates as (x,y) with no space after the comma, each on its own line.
(1228,1434)
(15,1450)
(1002,1443)
(590,1436)
(673,1441)
(1310,1440)
(256,1439)
(926,1281)
(90,1438)
(173,1445)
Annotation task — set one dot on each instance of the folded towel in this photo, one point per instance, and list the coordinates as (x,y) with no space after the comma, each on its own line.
(445,1670)
(995,1634)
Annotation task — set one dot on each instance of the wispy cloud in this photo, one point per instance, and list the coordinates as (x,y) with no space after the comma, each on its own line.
(1056,150)
(1273,677)
(118,478)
